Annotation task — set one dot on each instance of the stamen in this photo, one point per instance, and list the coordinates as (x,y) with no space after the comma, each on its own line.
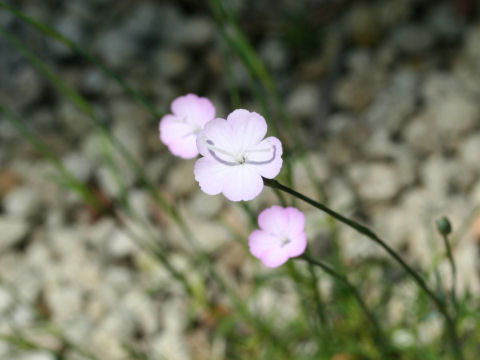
(210,145)
(242,159)
(251,162)
(256,150)
(212,148)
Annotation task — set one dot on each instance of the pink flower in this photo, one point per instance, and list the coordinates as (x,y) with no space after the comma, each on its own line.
(281,235)
(236,156)
(179,130)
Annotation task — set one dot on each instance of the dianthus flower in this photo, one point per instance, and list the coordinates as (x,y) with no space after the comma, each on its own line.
(179,130)
(281,235)
(236,156)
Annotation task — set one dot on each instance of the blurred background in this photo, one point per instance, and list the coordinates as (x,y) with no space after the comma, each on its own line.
(95,259)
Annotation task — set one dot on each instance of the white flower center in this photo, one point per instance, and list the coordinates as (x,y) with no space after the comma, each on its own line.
(284,242)
(195,128)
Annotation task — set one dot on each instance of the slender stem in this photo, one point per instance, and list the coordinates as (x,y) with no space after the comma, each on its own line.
(451,327)
(298,282)
(453,268)
(317,297)
(342,278)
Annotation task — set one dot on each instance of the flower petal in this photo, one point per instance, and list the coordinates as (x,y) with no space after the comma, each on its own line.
(219,132)
(261,241)
(296,220)
(297,245)
(194,109)
(178,136)
(267,163)
(274,258)
(249,128)
(244,183)
(273,219)
(211,175)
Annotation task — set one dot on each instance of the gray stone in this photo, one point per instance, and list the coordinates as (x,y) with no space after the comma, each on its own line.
(143,309)
(143,20)
(121,244)
(392,13)
(375,181)
(113,179)
(13,230)
(171,342)
(362,25)
(29,84)
(470,150)
(206,206)
(393,225)
(71,26)
(403,338)
(37,355)
(419,135)
(92,148)
(22,316)
(180,179)
(156,167)
(116,47)
(353,93)
(393,105)
(318,164)
(118,278)
(22,202)
(357,247)
(430,329)
(170,345)
(65,301)
(128,134)
(303,101)
(445,23)
(6,299)
(93,81)
(441,176)
(74,119)
(196,32)
(109,335)
(472,44)
(359,61)
(455,115)
(340,194)
(413,39)
(274,54)
(141,203)
(169,23)
(109,182)
(79,165)
(438,85)
(171,62)
(4,347)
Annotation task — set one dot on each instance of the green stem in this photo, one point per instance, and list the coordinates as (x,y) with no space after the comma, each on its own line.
(318,299)
(342,278)
(453,268)
(298,282)
(440,304)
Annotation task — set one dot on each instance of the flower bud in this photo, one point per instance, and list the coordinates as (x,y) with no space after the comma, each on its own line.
(443,226)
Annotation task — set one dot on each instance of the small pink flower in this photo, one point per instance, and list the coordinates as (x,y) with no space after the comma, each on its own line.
(179,130)
(281,235)
(236,156)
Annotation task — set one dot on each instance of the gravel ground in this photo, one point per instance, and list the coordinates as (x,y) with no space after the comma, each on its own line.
(388,101)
